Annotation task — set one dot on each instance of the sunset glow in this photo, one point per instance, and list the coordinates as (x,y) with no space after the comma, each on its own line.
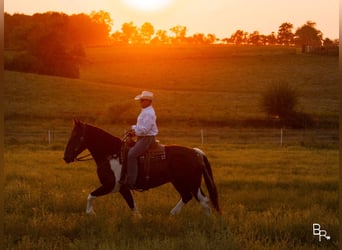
(147,5)
(220,17)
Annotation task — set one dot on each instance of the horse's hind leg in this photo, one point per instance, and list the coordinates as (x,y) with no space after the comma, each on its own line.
(127,195)
(90,207)
(185,198)
(204,201)
(176,210)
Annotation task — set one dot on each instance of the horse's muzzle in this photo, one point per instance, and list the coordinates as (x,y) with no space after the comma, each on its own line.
(68,159)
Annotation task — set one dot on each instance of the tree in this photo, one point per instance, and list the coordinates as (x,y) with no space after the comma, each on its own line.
(210,39)
(308,35)
(146,32)
(239,37)
(103,18)
(46,45)
(279,100)
(285,35)
(254,38)
(130,32)
(180,33)
(271,39)
(118,38)
(161,37)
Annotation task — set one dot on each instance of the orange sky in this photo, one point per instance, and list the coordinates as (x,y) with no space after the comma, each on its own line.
(221,17)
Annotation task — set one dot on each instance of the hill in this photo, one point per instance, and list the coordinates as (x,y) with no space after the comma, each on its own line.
(214,85)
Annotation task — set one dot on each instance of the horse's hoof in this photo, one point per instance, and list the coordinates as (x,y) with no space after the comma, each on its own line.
(90,211)
(136,216)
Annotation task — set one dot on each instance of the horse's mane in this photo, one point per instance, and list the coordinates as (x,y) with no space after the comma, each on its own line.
(100,132)
(103,138)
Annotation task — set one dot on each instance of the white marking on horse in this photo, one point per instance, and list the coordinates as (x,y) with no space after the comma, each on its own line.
(116,168)
(200,155)
(176,210)
(90,208)
(204,201)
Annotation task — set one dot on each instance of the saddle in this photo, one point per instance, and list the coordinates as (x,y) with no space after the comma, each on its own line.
(155,153)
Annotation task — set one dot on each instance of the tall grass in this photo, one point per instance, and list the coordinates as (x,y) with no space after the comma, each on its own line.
(268,203)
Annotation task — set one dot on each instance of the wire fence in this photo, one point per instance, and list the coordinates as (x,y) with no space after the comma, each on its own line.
(280,137)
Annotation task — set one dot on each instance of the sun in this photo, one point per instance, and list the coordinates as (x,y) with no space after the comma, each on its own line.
(148,5)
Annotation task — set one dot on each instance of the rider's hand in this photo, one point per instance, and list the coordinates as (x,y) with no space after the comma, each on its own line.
(131,133)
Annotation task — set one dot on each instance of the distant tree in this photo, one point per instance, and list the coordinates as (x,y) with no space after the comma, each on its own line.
(327,42)
(239,37)
(146,32)
(45,43)
(279,100)
(161,37)
(197,38)
(118,38)
(180,33)
(271,39)
(285,35)
(226,40)
(16,28)
(308,35)
(103,18)
(100,26)
(254,38)
(211,38)
(130,32)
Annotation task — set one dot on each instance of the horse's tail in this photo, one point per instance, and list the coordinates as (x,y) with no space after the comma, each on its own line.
(209,180)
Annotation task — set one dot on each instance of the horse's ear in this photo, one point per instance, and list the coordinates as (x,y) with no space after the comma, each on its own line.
(76,122)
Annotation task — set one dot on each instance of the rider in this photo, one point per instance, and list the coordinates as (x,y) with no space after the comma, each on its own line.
(145,129)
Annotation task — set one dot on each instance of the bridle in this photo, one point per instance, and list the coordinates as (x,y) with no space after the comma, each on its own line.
(86,157)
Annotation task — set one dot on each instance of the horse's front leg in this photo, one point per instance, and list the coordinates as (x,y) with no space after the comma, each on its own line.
(107,179)
(90,207)
(127,195)
(103,190)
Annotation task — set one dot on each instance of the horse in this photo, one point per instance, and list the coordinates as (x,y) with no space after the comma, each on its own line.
(182,166)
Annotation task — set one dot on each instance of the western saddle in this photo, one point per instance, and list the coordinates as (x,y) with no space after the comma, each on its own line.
(155,152)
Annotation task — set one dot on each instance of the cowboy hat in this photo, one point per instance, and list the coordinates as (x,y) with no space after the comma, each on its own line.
(145,95)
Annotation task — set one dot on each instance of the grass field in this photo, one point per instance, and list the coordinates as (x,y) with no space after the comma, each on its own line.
(270,194)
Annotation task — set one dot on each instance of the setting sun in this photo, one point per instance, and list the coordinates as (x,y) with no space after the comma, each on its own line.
(147,5)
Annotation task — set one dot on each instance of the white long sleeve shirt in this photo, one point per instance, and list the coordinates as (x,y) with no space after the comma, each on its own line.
(146,123)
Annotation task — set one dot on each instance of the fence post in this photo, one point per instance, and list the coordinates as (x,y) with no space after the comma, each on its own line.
(281,137)
(202,137)
(49,136)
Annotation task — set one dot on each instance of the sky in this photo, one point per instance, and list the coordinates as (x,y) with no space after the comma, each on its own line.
(220,17)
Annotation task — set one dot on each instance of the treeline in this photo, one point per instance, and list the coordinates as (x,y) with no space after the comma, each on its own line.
(53,43)
(146,34)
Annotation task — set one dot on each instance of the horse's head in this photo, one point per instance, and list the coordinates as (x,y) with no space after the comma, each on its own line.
(76,143)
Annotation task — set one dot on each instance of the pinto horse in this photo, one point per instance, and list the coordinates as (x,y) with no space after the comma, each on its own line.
(182,166)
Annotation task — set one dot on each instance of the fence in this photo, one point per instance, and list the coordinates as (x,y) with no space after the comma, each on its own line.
(201,136)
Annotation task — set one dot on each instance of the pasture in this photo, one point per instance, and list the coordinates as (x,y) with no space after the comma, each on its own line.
(270,194)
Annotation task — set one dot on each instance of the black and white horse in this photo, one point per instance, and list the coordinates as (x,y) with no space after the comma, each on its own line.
(183,167)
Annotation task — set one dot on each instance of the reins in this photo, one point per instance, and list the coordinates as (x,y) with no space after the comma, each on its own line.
(84,158)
